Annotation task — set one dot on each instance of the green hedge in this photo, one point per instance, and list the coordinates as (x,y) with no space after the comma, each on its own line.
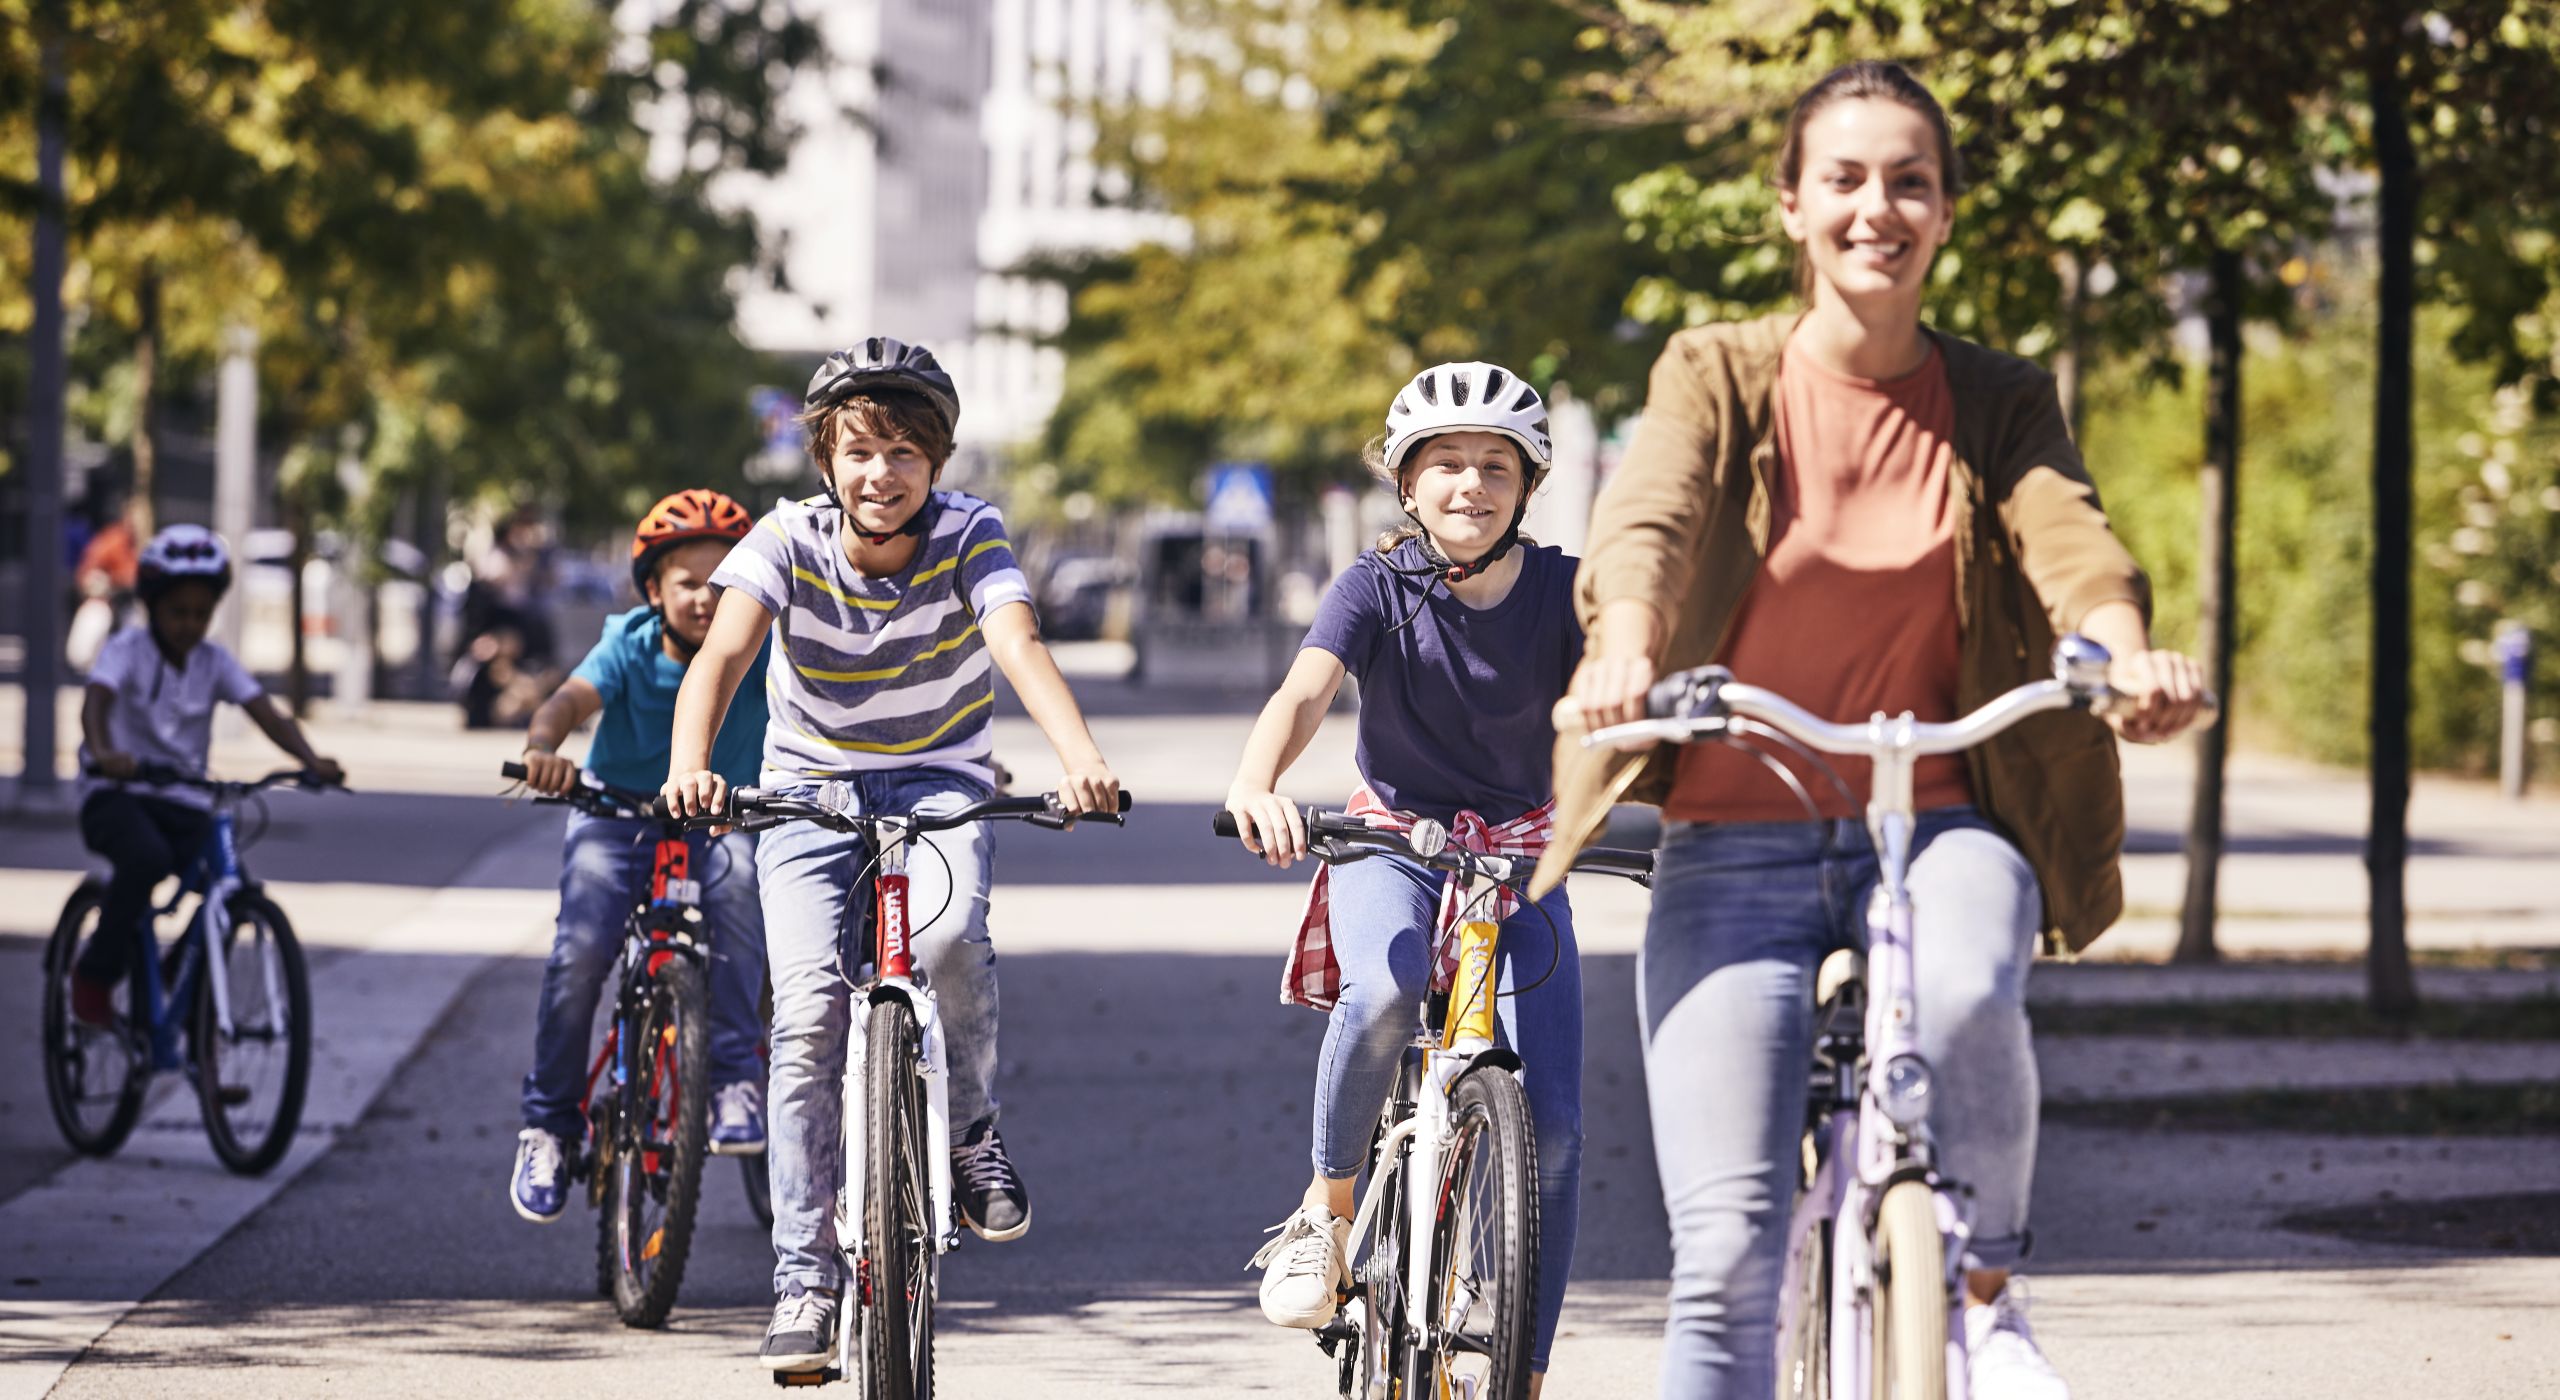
(2487,536)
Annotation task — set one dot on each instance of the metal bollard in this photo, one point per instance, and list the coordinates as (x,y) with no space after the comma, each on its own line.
(2514,650)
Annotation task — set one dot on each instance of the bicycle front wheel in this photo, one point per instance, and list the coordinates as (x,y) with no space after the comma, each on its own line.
(1484,1250)
(656,1180)
(252,1076)
(896,1208)
(93,1075)
(1909,1355)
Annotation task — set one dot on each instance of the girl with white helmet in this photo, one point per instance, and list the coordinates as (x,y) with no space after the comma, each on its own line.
(1462,635)
(149,703)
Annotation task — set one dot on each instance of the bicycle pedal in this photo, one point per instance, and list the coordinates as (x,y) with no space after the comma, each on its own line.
(823,1377)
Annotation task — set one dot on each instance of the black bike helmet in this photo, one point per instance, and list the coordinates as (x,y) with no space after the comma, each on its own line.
(883,363)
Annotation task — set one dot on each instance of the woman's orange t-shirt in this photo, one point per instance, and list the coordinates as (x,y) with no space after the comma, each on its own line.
(1853,611)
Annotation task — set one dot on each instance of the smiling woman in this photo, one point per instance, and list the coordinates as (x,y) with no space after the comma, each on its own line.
(1869,516)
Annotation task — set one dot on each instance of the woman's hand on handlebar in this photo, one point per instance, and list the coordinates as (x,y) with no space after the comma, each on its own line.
(548,773)
(1270,826)
(2160,694)
(115,763)
(701,793)
(1606,690)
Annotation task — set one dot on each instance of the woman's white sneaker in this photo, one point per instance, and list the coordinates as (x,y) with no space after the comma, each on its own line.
(2001,1350)
(1303,1267)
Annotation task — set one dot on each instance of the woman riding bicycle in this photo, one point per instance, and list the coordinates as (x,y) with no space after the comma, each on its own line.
(1462,635)
(150,701)
(1866,515)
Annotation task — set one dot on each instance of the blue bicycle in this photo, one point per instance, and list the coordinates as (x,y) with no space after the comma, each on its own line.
(228,1004)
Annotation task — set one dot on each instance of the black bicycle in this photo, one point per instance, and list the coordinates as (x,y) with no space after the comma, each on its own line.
(649,1091)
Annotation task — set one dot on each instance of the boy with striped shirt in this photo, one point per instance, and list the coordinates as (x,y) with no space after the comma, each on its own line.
(888,602)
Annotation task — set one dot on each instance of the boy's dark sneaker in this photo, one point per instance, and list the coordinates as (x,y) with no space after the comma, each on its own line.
(992,1199)
(802,1335)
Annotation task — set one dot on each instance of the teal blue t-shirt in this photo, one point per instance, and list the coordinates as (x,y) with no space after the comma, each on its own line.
(638,680)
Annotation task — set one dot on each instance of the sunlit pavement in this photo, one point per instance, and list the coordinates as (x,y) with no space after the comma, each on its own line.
(1156,1096)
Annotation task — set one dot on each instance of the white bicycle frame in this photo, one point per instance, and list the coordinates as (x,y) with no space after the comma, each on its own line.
(1881,1151)
(856,1247)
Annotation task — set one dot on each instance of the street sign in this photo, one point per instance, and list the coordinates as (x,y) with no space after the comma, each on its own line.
(1239,498)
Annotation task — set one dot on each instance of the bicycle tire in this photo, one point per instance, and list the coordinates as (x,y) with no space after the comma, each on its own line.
(69,1048)
(246,1147)
(1804,1344)
(896,1209)
(1484,1246)
(650,1255)
(1381,1272)
(1909,1357)
(755,1175)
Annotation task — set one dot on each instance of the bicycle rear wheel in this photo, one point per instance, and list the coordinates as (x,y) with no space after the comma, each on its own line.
(757,1178)
(1804,1338)
(1909,1355)
(1383,1340)
(93,1077)
(1484,1250)
(896,1209)
(656,1181)
(252,1079)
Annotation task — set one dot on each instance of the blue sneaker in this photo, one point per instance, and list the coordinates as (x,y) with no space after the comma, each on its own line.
(737,1119)
(539,1188)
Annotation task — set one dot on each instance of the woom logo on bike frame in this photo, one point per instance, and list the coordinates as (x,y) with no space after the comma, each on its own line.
(893,927)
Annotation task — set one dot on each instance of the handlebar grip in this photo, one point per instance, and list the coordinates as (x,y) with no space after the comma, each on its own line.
(1223,822)
(515,771)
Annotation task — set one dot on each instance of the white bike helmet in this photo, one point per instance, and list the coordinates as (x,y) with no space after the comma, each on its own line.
(180,553)
(1462,398)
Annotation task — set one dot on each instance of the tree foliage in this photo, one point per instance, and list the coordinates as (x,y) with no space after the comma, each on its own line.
(441,221)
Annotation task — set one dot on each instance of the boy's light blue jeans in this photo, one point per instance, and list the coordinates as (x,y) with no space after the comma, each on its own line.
(812,879)
(1384,911)
(605,865)
(1743,914)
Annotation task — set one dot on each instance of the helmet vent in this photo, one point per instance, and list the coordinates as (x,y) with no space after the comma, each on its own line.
(1430,390)
(1458,391)
(1528,397)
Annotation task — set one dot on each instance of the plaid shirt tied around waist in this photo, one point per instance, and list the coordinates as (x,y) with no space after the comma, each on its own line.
(1313,977)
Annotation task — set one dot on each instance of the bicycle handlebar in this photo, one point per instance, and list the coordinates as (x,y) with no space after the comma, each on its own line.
(1427,842)
(753,809)
(593,795)
(1703,700)
(162,775)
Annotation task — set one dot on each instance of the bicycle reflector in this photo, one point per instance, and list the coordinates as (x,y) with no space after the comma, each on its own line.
(1905,1096)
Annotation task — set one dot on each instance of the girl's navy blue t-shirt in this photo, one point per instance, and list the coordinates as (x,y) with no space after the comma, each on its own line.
(1455,708)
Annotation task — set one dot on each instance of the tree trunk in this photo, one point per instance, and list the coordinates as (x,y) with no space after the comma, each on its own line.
(2069,360)
(2217,609)
(297,687)
(144,509)
(2392,989)
(40,611)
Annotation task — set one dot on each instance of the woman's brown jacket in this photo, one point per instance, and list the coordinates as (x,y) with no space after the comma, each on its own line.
(1684,525)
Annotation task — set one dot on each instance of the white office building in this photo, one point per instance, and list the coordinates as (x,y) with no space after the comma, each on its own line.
(945,144)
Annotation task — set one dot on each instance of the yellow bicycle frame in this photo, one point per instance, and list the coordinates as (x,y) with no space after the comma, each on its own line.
(1470,1024)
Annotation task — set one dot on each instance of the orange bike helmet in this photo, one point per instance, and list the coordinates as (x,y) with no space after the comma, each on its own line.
(692,514)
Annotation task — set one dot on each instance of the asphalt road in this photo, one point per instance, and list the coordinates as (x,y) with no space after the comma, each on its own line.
(1156,1097)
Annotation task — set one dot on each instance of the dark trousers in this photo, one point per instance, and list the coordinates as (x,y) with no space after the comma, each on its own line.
(144,838)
